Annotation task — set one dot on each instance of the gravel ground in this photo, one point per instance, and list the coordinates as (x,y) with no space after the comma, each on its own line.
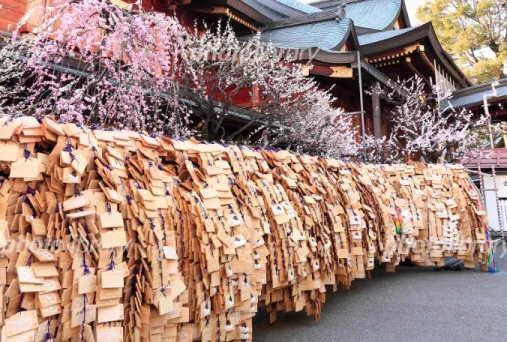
(413,304)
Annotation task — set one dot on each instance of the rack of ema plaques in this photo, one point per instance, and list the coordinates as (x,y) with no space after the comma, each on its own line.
(113,235)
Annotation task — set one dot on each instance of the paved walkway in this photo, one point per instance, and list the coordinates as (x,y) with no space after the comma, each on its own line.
(413,304)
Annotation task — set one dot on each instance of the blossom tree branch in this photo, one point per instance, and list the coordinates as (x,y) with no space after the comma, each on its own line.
(421,129)
(121,67)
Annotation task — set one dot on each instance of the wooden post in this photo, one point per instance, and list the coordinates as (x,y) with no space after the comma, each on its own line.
(377,113)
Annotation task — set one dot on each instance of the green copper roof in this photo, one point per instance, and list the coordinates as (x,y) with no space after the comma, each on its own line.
(264,10)
(326,35)
(280,9)
(373,14)
(370,38)
(474,96)
(369,14)
(299,6)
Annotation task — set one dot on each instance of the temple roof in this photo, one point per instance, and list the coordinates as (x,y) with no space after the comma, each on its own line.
(327,4)
(371,38)
(302,20)
(323,29)
(320,30)
(263,11)
(295,4)
(474,96)
(370,14)
(327,35)
(380,42)
(374,14)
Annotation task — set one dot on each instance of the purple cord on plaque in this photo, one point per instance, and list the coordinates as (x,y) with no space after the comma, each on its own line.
(86,269)
(48,336)
(83,322)
(112,264)
(85,299)
(27,154)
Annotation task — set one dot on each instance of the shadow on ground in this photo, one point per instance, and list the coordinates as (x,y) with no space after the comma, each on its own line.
(413,304)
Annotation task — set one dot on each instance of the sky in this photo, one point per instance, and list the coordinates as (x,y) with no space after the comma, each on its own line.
(412,6)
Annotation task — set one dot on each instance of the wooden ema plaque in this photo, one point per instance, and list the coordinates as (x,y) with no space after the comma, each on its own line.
(122,236)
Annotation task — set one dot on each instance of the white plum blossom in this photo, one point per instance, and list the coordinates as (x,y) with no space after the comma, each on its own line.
(249,73)
(93,62)
(286,105)
(321,128)
(10,71)
(421,129)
